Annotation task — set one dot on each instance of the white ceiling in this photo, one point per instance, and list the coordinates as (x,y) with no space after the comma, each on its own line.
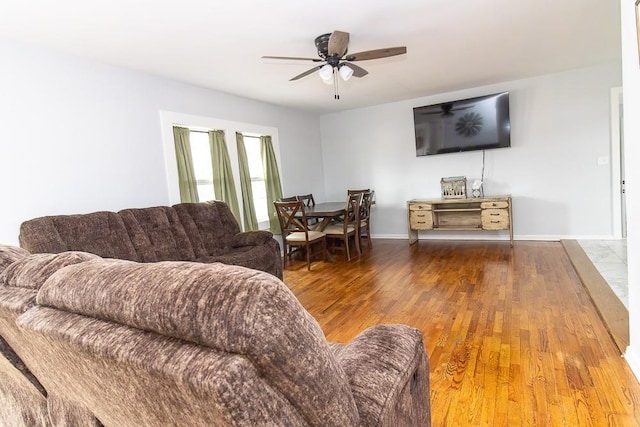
(218,44)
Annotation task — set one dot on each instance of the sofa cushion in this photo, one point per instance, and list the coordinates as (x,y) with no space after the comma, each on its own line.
(256,257)
(32,271)
(251,238)
(225,308)
(10,254)
(210,226)
(13,302)
(157,234)
(100,233)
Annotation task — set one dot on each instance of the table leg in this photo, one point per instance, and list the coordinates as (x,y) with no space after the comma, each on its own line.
(321,225)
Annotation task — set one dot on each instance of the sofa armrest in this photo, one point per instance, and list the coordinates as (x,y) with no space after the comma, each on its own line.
(388,371)
(251,238)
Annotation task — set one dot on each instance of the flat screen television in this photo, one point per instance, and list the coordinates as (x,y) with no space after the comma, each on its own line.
(469,124)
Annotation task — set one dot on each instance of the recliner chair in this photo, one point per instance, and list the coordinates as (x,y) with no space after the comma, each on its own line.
(179,343)
(25,401)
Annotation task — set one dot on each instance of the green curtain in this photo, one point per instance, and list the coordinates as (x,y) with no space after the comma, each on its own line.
(271,180)
(186,175)
(223,184)
(249,211)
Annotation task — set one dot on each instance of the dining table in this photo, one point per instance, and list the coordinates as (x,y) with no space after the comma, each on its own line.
(324,212)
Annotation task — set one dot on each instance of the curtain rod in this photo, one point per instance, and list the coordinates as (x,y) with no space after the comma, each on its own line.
(250,135)
(242,133)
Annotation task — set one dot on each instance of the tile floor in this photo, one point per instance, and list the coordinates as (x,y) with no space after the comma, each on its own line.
(610,258)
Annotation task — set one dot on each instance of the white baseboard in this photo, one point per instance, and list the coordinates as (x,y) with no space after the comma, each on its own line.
(441,236)
(444,235)
(390,236)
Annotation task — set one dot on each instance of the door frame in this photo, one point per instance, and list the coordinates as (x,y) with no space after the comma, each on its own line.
(616,197)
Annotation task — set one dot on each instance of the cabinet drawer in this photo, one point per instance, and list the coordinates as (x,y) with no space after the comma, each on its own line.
(497,204)
(419,207)
(495,219)
(421,220)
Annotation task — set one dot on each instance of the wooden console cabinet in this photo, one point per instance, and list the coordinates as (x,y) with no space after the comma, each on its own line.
(471,214)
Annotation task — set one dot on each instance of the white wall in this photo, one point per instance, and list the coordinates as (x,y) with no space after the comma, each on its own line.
(631,100)
(560,126)
(81,136)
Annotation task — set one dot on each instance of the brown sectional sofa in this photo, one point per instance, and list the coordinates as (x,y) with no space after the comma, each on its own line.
(199,232)
(183,343)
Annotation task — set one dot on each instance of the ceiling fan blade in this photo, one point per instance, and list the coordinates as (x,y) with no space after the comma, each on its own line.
(377,53)
(338,43)
(306,73)
(293,57)
(357,71)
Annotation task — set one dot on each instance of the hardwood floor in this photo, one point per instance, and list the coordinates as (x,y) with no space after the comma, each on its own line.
(512,336)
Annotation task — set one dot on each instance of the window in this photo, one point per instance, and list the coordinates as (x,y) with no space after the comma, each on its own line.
(201,154)
(202,164)
(201,158)
(254,158)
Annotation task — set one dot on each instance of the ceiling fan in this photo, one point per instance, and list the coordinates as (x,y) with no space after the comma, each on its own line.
(332,51)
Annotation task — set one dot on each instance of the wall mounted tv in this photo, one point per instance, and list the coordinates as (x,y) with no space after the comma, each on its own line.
(469,124)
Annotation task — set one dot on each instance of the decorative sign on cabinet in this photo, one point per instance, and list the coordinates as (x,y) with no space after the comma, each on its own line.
(482,213)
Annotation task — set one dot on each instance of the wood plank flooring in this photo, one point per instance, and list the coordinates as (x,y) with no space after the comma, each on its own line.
(512,336)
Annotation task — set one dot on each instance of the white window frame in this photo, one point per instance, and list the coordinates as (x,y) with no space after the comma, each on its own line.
(169,119)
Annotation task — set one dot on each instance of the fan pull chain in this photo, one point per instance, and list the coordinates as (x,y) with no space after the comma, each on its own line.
(336,96)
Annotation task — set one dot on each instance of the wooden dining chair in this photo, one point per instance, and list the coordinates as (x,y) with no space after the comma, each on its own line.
(364,190)
(296,233)
(349,227)
(288,199)
(308,200)
(365,217)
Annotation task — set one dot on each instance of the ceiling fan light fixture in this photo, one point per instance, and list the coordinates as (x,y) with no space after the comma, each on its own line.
(326,73)
(345,72)
(332,51)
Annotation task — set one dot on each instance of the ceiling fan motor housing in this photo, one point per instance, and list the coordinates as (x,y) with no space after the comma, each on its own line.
(322,44)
